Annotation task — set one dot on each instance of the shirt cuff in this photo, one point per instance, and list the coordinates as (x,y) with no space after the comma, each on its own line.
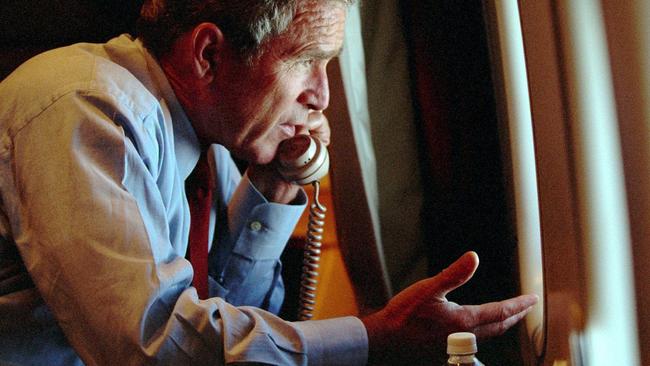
(336,342)
(262,228)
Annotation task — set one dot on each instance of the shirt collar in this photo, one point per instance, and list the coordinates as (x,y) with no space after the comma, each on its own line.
(186,143)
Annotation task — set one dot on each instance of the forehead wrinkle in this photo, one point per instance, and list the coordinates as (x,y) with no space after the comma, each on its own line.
(316,12)
(313,23)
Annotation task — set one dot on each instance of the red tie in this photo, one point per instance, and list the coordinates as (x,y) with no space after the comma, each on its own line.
(199,197)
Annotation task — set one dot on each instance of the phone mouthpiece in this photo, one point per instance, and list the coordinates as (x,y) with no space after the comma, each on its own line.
(302,159)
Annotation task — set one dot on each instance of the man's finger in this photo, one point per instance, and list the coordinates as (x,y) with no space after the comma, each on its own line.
(499,311)
(498,328)
(318,126)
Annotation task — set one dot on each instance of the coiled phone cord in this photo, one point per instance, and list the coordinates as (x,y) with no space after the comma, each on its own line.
(311,257)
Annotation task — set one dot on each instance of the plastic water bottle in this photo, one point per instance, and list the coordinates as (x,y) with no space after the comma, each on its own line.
(461,348)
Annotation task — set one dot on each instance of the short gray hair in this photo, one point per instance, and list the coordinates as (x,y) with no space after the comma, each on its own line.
(245,23)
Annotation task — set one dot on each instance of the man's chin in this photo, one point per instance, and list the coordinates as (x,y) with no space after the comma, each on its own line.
(258,154)
(262,157)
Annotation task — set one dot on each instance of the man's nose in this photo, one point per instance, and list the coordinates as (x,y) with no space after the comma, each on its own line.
(316,95)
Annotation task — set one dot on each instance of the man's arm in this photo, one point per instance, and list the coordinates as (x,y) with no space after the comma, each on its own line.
(249,238)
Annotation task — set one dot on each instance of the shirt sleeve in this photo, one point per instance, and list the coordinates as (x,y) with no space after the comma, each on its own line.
(102,259)
(251,235)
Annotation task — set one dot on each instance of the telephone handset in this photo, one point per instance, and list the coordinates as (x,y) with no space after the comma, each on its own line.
(304,159)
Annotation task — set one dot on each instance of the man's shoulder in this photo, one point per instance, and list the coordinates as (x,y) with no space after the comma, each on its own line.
(81,69)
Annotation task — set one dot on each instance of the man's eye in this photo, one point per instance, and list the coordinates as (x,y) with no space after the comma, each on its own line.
(307,62)
(303,63)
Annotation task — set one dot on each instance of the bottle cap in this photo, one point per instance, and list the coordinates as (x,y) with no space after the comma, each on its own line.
(462,343)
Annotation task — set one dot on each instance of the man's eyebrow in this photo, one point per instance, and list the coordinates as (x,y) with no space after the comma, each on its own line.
(323,54)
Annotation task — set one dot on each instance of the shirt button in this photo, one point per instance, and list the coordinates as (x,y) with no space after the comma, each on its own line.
(255,225)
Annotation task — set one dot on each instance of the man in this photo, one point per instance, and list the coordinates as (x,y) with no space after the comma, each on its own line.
(97,143)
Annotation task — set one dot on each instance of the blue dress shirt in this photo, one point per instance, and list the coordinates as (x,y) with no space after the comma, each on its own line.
(94,151)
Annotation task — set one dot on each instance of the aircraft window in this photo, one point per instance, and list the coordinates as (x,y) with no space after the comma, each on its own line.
(516,119)
(627,25)
(600,193)
(584,218)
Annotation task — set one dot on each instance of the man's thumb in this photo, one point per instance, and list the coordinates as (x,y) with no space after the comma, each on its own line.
(457,274)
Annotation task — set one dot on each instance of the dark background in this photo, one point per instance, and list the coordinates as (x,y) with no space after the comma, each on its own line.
(28,27)
(466,206)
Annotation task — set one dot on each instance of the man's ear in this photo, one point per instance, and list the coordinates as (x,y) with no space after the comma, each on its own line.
(207,45)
